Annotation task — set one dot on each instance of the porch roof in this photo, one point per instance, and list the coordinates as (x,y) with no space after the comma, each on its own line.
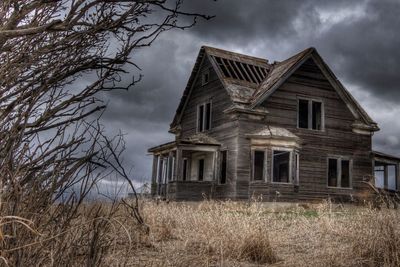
(162,147)
(199,139)
(377,154)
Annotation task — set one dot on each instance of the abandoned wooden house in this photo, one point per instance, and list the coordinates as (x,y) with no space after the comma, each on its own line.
(284,130)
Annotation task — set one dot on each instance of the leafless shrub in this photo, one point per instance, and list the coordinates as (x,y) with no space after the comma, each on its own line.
(256,247)
(56,59)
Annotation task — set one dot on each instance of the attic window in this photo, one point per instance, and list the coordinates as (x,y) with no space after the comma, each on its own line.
(241,71)
(205,77)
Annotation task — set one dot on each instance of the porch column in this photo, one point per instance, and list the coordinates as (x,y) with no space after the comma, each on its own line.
(154,175)
(155,169)
(178,165)
(216,165)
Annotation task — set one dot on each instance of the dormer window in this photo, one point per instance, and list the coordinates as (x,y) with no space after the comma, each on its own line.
(205,77)
(310,114)
(204,117)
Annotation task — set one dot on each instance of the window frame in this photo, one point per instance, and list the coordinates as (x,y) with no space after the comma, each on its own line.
(310,113)
(290,174)
(339,171)
(204,105)
(264,169)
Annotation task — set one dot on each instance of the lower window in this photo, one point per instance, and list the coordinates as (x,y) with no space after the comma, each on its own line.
(339,172)
(281,166)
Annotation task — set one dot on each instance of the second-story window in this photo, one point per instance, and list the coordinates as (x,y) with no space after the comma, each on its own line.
(204,117)
(310,114)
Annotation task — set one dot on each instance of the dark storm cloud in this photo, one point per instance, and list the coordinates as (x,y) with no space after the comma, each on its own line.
(358,39)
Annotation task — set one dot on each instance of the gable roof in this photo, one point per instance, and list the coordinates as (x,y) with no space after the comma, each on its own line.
(239,91)
(249,81)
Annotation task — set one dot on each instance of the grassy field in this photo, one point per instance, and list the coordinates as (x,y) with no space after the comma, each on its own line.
(213,233)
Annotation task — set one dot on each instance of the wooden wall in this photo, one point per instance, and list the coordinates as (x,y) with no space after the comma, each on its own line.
(222,128)
(337,139)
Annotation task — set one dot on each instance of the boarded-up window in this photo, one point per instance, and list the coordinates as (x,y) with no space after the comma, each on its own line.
(258,165)
(201,170)
(303,113)
(185,169)
(345,181)
(223,166)
(332,172)
(280,164)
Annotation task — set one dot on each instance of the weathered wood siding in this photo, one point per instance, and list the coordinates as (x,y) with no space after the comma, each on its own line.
(222,128)
(337,138)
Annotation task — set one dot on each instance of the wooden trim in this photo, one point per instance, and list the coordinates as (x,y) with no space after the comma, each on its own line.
(264,169)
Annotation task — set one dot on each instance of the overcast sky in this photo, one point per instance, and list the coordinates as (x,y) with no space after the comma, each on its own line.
(359,40)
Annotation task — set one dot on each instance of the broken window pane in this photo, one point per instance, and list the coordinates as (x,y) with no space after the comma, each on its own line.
(391,172)
(345,173)
(303,113)
(317,115)
(281,166)
(258,163)
(332,172)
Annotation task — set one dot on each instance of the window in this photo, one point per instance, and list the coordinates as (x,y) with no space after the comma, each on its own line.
(391,173)
(205,77)
(223,166)
(339,172)
(201,170)
(281,166)
(379,175)
(258,165)
(185,169)
(204,117)
(385,175)
(310,114)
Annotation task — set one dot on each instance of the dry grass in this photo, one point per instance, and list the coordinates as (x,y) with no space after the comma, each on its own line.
(246,234)
(214,233)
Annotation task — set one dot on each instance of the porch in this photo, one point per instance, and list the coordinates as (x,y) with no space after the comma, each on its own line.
(185,170)
(386,171)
